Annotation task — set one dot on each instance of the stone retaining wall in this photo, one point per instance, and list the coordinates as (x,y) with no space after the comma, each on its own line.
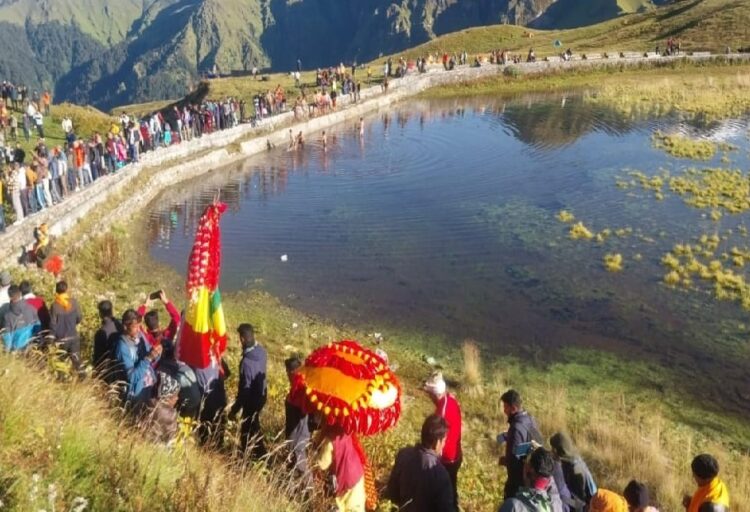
(199,156)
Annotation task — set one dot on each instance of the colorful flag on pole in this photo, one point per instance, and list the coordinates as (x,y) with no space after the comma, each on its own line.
(204,330)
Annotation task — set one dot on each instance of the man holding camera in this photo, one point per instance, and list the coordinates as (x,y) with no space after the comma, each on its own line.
(153,332)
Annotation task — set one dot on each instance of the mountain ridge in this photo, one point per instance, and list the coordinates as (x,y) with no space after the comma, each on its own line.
(110,52)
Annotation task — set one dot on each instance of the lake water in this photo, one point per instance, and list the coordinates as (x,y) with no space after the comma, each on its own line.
(441,219)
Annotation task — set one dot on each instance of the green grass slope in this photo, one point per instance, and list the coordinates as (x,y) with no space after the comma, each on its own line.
(107,21)
(699,24)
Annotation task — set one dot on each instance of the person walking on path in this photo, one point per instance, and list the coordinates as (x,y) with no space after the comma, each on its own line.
(446,406)
(251,392)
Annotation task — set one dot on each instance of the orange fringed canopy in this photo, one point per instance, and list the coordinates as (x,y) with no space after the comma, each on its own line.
(350,386)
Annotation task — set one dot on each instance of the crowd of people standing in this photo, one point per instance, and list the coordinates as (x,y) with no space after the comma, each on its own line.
(32,181)
(136,354)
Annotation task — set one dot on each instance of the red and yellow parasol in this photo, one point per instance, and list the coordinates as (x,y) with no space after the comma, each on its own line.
(350,386)
(204,330)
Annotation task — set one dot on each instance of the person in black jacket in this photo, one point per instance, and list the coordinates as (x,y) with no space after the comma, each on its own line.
(65,315)
(297,430)
(419,482)
(522,430)
(251,393)
(105,340)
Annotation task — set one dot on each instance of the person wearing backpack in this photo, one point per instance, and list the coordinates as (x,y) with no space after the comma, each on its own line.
(578,478)
(521,432)
(535,497)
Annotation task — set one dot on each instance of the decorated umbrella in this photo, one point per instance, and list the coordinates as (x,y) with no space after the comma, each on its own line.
(204,331)
(352,388)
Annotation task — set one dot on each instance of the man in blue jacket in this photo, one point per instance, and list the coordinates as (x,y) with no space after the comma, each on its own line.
(136,358)
(19,321)
(251,394)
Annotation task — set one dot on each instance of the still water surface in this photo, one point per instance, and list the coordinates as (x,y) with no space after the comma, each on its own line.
(441,219)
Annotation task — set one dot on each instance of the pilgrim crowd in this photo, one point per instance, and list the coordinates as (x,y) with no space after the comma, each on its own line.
(135,353)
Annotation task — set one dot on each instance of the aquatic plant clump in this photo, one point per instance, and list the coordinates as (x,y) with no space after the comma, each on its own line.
(565,216)
(714,188)
(680,146)
(613,262)
(579,231)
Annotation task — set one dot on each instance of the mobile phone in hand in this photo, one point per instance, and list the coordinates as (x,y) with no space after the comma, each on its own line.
(155,295)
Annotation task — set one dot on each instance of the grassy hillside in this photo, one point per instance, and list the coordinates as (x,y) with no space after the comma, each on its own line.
(107,21)
(60,444)
(86,121)
(698,24)
(631,419)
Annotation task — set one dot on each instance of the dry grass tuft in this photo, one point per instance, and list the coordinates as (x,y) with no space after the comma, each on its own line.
(472,366)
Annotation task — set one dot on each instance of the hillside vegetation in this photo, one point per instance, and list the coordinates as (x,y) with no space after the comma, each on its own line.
(700,25)
(630,418)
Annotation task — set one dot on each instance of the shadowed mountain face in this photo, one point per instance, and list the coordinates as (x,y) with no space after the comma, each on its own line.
(108,52)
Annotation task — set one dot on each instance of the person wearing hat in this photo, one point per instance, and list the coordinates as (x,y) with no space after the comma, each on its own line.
(4,286)
(447,407)
(636,494)
(712,494)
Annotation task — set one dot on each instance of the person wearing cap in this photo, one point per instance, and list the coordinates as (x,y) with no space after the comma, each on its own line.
(4,286)
(153,332)
(522,429)
(636,494)
(535,497)
(419,482)
(447,407)
(712,494)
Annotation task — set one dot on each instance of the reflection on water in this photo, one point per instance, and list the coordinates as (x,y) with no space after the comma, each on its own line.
(441,219)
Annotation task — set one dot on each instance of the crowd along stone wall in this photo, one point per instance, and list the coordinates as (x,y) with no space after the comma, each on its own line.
(105,199)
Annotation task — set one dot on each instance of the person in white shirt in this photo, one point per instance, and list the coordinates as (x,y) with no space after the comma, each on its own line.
(67,124)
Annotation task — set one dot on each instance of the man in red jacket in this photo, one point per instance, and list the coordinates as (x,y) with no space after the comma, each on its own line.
(446,406)
(154,333)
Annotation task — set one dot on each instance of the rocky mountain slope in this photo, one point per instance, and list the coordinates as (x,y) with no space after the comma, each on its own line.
(110,52)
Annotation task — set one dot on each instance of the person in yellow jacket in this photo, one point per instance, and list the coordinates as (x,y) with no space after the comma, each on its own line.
(712,494)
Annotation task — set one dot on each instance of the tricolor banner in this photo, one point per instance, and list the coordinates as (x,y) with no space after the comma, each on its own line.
(204,330)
